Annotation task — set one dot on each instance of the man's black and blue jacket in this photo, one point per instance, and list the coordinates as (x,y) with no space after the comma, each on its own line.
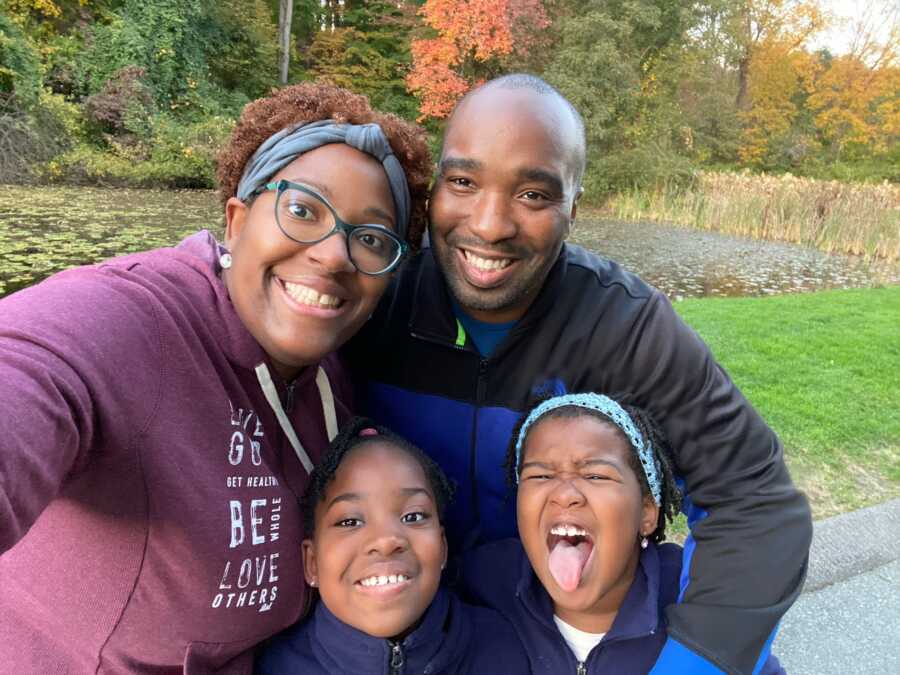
(596,327)
(500,576)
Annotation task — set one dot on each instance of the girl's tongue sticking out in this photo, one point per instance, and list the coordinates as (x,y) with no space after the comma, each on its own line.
(569,555)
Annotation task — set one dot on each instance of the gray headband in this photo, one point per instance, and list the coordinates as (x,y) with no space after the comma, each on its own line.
(284,147)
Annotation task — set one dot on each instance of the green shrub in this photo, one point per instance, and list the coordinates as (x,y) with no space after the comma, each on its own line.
(645,167)
(174,155)
(20,67)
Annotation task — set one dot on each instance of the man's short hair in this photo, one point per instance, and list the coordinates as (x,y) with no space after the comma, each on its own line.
(544,88)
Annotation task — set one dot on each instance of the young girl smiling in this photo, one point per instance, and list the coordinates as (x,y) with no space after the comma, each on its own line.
(587,586)
(375,551)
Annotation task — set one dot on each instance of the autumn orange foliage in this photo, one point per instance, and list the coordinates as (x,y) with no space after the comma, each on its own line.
(470,32)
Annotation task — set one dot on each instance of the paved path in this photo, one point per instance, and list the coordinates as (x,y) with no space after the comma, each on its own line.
(847,621)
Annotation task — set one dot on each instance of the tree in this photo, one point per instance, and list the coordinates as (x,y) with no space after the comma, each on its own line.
(471,40)
(285,16)
(755,22)
(367,52)
(611,59)
(779,80)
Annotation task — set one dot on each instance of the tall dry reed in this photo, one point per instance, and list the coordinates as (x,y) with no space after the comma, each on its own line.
(856,218)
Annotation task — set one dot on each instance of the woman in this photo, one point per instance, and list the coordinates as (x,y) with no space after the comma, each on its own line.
(161,412)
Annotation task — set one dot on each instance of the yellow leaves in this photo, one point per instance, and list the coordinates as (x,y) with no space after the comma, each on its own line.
(777,74)
(19,9)
(854,104)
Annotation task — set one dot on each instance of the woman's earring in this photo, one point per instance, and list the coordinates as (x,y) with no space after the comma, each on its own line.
(225,260)
(644,542)
(313,582)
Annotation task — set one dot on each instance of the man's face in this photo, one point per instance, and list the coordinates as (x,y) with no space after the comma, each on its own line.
(503,199)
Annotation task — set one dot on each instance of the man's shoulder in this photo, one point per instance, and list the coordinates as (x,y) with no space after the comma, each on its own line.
(586,266)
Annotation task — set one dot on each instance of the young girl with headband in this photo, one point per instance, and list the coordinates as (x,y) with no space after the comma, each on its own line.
(587,585)
(375,550)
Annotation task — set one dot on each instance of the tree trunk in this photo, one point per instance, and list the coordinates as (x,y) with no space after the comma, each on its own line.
(743,92)
(285,12)
(746,28)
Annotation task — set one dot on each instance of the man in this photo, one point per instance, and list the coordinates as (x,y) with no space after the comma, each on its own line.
(500,310)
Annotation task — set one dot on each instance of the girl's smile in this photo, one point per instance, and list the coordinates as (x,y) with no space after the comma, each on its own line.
(378,548)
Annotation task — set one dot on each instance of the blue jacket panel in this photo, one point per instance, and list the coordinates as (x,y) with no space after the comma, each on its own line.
(452,638)
(499,575)
(484,510)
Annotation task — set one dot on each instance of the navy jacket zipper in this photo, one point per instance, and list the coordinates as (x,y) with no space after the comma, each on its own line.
(397,659)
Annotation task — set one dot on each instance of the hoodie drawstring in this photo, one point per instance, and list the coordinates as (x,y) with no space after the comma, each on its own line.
(325,394)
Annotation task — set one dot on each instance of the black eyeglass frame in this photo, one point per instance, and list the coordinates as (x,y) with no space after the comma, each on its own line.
(340,225)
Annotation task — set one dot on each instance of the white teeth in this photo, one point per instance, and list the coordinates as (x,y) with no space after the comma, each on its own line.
(568,531)
(487,263)
(308,296)
(384,580)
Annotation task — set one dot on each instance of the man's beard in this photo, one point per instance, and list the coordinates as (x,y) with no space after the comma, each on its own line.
(522,286)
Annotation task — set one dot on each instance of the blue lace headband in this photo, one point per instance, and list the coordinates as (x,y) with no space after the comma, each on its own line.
(616,413)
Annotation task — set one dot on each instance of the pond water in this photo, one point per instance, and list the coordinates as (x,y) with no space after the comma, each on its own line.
(46,229)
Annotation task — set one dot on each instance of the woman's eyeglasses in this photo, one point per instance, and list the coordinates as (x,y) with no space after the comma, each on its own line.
(306,217)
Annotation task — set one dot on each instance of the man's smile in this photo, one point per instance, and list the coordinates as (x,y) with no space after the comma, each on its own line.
(483,271)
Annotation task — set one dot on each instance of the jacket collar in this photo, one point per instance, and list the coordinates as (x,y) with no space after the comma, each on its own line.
(638,616)
(434,641)
(432,314)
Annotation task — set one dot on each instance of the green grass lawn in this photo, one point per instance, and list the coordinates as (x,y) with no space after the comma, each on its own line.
(824,370)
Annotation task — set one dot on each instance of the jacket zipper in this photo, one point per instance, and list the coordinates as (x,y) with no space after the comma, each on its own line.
(581,670)
(289,397)
(396,658)
(479,397)
(480,387)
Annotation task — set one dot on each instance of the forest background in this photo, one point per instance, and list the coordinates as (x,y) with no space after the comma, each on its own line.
(137,93)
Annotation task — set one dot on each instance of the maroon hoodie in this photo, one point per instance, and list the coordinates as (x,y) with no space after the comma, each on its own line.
(148,496)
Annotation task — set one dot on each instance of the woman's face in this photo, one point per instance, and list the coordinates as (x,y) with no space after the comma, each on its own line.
(379,547)
(580,515)
(302,301)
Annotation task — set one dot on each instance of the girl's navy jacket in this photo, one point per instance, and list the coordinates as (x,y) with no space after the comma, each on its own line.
(452,638)
(500,576)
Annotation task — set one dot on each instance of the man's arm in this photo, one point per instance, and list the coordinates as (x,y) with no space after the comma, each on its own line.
(745,558)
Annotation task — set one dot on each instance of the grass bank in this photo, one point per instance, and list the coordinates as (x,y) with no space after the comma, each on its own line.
(822,369)
(856,218)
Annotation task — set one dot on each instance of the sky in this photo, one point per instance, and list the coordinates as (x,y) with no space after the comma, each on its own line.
(837,39)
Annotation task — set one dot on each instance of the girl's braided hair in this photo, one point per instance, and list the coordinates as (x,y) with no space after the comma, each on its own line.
(651,433)
(347,440)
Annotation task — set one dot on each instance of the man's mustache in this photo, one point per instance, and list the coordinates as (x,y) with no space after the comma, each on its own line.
(504,249)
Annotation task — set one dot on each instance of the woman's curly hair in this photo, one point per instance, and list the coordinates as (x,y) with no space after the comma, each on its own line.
(311,102)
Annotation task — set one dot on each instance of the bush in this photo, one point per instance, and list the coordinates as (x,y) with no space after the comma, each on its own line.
(20,68)
(175,154)
(121,103)
(644,167)
(31,133)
